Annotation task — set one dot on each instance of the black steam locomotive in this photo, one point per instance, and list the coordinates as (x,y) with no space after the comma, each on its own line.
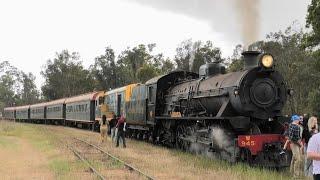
(230,115)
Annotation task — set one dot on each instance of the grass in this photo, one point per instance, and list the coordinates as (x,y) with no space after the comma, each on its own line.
(59,162)
(59,166)
(239,170)
(6,142)
(157,161)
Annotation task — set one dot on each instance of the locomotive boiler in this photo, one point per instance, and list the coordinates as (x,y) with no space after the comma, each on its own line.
(258,92)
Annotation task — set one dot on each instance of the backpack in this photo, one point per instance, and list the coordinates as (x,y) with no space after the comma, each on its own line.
(294,133)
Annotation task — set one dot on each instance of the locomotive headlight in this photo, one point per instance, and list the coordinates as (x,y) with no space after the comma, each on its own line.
(267,60)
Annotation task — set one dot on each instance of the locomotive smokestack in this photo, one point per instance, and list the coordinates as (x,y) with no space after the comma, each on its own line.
(250,59)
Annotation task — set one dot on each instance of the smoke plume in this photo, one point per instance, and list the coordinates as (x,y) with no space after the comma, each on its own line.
(235,20)
(248,16)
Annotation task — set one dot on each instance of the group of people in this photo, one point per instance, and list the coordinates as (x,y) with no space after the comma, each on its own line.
(117,128)
(304,141)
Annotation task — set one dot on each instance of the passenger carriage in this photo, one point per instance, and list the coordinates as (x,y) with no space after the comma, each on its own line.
(82,109)
(55,111)
(22,113)
(9,113)
(38,112)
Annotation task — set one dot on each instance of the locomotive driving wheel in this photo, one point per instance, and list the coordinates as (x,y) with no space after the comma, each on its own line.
(180,133)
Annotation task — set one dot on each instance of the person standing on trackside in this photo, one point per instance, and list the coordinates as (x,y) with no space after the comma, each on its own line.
(313,129)
(313,153)
(121,130)
(103,129)
(112,126)
(296,145)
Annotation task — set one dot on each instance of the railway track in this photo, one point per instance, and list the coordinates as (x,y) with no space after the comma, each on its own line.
(100,162)
(128,166)
(86,162)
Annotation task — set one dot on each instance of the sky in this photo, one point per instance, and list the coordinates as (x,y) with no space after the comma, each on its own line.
(32,31)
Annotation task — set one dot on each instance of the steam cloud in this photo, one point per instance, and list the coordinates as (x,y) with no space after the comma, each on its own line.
(221,141)
(237,20)
(248,14)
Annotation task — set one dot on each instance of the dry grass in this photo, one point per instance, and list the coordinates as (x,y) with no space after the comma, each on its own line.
(157,161)
(164,163)
(39,149)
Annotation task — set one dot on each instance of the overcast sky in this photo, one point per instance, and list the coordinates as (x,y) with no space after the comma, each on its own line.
(32,31)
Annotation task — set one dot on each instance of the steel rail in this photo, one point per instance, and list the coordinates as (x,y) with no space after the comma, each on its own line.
(130,167)
(93,170)
(45,129)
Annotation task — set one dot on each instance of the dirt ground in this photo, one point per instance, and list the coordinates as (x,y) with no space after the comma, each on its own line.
(22,161)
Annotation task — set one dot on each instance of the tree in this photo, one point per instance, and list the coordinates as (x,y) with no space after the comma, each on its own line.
(139,64)
(191,55)
(145,72)
(30,94)
(167,66)
(104,70)
(312,39)
(16,87)
(184,55)
(312,42)
(65,76)
(236,62)
(205,53)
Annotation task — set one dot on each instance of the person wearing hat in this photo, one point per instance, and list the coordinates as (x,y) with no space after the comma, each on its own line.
(296,146)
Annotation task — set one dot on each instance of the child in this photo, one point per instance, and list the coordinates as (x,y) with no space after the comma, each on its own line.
(286,135)
(293,136)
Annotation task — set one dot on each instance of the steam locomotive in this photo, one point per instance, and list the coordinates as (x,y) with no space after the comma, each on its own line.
(230,115)
(233,116)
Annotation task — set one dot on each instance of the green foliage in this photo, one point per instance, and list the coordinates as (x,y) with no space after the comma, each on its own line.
(16,87)
(30,94)
(145,72)
(312,39)
(65,77)
(296,65)
(104,70)
(191,55)
(235,62)
(314,101)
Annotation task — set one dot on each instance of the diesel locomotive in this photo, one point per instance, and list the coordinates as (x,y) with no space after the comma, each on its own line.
(233,116)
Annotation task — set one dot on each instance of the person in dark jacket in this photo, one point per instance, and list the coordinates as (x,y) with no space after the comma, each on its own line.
(112,126)
(121,130)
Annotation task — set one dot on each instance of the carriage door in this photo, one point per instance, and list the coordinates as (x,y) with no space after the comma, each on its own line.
(119,100)
(151,92)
